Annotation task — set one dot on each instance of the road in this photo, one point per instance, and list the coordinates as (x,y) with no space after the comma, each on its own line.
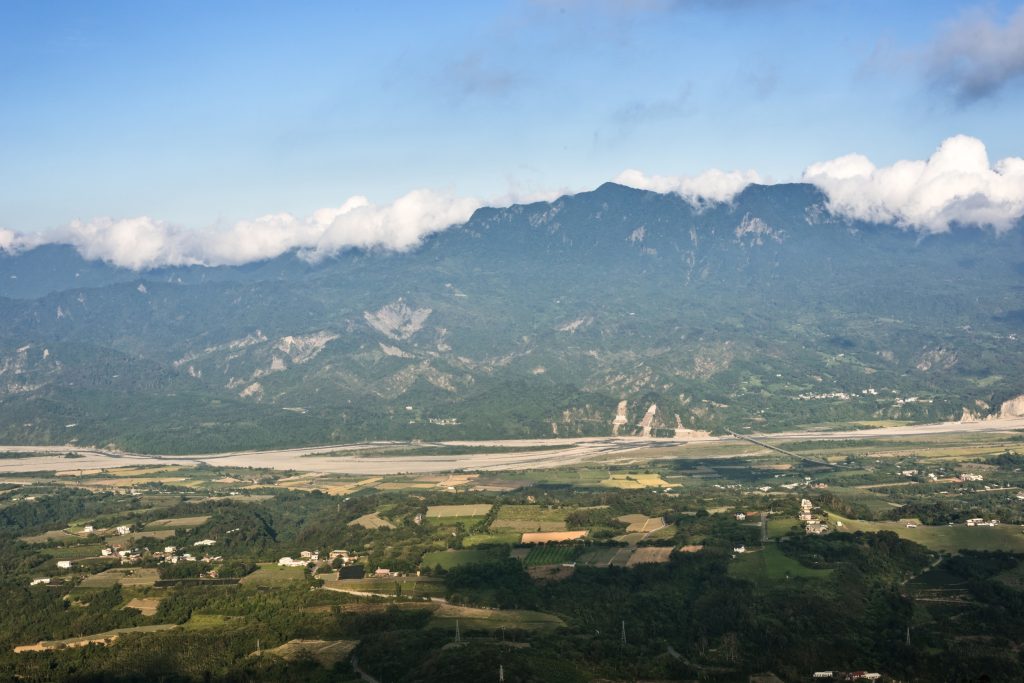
(575,451)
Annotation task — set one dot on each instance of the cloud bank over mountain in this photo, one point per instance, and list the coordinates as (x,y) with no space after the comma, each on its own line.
(710,186)
(144,242)
(957,185)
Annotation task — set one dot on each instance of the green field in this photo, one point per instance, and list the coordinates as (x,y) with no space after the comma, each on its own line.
(478,510)
(415,586)
(770,564)
(599,557)
(509,537)
(270,574)
(453,558)
(525,518)
(780,526)
(74,552)
(552,554)
(178,522)
(470,618)
(125,577)
(948,539)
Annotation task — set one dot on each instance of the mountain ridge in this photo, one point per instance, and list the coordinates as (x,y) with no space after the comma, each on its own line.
(531,320)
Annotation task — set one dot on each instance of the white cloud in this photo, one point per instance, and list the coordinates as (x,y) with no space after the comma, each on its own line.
(135,243)
(14,242)
(957,185)
(709,186)
(8,240)
(142,242)
(399,225)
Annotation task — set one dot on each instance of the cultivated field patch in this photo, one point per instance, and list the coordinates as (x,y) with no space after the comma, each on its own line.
(475,510)
(135,576)
(949,539)
(635,481)
(642,523)
(492,619)
(552,536)
(551,554)
(326,653)
(530,518)
(771,564)
(650,555)
(178,522)
(453,558)
(372,521)
(147,606)
(271,574)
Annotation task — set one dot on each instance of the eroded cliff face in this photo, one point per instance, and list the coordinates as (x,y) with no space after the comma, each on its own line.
(1012,408)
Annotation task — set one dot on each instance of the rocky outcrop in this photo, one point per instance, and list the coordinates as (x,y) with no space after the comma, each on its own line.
(1012,408)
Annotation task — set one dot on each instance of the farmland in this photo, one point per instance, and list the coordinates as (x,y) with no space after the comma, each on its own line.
(518,554)
(523,518)
(123,577)
(552,554)
(946,538)
(479,510)
(446,559)
(771,564)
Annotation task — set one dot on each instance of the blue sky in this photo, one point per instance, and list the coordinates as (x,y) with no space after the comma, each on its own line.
(203,114)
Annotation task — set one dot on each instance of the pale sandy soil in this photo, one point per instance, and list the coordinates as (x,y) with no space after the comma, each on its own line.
(574,451)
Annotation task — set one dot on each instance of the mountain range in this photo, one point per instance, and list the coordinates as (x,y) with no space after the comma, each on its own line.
(564,318)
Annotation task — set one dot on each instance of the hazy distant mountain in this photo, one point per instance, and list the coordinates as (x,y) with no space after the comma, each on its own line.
(526,321)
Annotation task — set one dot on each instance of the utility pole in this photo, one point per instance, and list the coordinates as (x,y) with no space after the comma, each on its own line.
(258,650)
(623,631)
(458,635)
(501,673)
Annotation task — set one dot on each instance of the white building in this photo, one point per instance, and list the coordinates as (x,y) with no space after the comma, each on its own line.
(89,529)
(170,549)
(124,529)
(289,562)
(36,582)
(64,564)
(205,542)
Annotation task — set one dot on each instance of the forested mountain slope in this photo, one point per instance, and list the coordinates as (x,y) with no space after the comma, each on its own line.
(532,320)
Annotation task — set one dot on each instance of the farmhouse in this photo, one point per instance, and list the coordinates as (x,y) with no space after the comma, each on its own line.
(89,529)
(64,564)
(124,529)
(205,542)
(36,582)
